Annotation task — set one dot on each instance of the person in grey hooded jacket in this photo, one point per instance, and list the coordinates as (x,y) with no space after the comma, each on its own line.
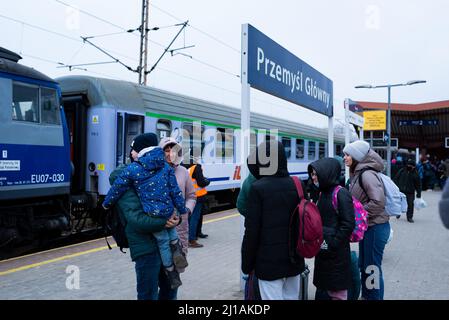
(362,160)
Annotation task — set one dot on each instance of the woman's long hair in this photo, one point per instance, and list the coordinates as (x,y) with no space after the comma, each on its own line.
(353,165)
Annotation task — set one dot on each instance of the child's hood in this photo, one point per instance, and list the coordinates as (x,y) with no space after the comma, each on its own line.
(152,158)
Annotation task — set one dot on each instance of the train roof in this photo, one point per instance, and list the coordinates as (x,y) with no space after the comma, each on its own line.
(8,64)
(131,97)
(5,53)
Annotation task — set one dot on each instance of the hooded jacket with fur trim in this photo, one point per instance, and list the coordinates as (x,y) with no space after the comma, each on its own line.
(374,199)
(186,186)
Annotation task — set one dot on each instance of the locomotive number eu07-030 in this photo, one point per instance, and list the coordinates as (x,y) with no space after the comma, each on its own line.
(47,178)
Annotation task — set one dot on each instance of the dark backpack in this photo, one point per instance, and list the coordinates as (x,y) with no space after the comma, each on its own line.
(306,228)
(115,225)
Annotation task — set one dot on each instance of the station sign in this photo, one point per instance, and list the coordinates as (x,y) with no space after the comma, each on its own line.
(351,115)
(276,71)
(382,143)
(375,120)
(425,122)
(354,106)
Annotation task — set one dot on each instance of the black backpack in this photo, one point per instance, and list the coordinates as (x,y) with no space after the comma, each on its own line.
(115,225)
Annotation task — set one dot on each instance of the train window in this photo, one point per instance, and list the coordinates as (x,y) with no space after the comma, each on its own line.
(163,128)
(192,139)
(312,150)
(338,149)
(299,149)
(120,147)
(25,106)
(50,106)
(321,150)
(224,144)
(287,142)
(134,125)
(269,138)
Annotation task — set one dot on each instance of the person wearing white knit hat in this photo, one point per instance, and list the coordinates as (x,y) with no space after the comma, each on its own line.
(361,159)
(357,149)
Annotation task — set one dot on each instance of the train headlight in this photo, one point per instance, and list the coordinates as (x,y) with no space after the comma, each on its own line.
(91,167)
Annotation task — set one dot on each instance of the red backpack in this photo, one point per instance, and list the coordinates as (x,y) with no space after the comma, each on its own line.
(306,228)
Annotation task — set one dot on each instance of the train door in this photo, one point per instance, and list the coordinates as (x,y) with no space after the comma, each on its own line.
(75,108)
(128,127)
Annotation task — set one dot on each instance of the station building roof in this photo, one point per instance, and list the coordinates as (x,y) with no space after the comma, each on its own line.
(410,135)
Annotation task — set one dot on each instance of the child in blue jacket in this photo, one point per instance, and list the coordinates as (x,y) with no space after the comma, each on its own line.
(155,183)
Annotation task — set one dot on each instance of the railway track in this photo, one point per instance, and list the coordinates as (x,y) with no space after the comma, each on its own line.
(48,244)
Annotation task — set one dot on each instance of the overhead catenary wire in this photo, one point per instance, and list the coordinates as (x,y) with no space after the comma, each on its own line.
(197,29)
(75,66)
(130,58)
(109,55)
(60,64)
(58,34)
(124,30)
(91,15)
(134,59)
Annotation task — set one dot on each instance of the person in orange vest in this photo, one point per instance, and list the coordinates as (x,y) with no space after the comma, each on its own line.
(199,183)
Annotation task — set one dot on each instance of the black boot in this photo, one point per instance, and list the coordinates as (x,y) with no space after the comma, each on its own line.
(173,278)
(179,258)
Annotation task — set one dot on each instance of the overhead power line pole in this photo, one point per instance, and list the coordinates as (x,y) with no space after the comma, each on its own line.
(144,43)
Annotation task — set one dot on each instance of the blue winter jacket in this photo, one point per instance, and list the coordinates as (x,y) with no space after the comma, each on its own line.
(155,183)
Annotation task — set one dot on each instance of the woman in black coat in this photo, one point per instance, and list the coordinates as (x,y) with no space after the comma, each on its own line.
(332,272)
(265,248)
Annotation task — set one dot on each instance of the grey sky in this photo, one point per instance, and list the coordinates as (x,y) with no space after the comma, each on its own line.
(350,41)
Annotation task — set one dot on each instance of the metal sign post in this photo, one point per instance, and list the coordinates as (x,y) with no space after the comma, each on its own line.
(245,125)
(352,118)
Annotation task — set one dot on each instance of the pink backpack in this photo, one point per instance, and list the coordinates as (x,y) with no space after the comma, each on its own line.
(361,216)
(306,228)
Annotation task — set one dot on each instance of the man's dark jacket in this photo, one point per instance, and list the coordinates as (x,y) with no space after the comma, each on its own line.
(139,225)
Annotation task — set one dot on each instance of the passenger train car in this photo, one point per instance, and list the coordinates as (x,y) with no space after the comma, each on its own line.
(60,139)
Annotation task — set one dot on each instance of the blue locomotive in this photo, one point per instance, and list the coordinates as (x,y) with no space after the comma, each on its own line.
(35,168)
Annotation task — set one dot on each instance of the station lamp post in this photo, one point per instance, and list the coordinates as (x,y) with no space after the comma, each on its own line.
(389,86)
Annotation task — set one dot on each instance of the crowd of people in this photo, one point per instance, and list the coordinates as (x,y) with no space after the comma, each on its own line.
(432,171)
(161,202)
(267,202)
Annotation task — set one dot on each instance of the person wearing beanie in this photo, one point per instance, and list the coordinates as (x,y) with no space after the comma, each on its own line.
(362,160)
(155,183)
(444,205)
(173,155)
(408,181)
(357,149)
(143,141)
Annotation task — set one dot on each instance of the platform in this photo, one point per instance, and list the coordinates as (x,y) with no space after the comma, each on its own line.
(416,264)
